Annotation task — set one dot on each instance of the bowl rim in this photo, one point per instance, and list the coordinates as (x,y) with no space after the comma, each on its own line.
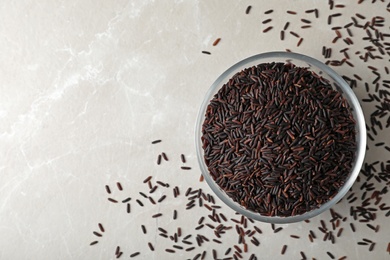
(348,94)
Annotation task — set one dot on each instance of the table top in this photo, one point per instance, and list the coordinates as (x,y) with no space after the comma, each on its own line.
(87,86)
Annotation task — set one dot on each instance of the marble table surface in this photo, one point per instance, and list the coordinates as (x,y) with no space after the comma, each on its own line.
(88,85)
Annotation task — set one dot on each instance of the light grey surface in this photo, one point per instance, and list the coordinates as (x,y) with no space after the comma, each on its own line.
(87,85)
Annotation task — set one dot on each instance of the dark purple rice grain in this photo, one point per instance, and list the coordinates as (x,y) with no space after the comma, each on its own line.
(323,225)
(112,200)
(305,21)
(295,34)
(151,247)
(101,227)
(295,236)
(266,21)
(175,214)
(97,234)
(360,16)
(339,232)
(156,141)
(199,227)
(157,215)
(377,228)
(140,203)
(93,243)
(284,248)
(292,12)
(348,25)
(159,159)
(206,52)
(228,251)
(268,11)
(170,251)
(126,200)
(147,179)
(108,189)
(143,229)
(164,156)
(128,208)
(215,43)
(299,42)
(331,4)
(286,26)
(153,189)
(238,254)
(331,237)
(258,230)
(134,254)
(330,255)
(267,29)
(303,255)
(248,9)
(162,198)
(326,236)
(255,241)
(203,255)
(367,240)
(162,184)
(163,235)
(162,230)
(349,32)
(183,158)
(207,207)
(278,229)
(352,227)
(371,226)
(214,254)
(119,185)
(371,248)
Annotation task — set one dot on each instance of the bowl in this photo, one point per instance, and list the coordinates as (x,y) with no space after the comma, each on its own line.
(337,83)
